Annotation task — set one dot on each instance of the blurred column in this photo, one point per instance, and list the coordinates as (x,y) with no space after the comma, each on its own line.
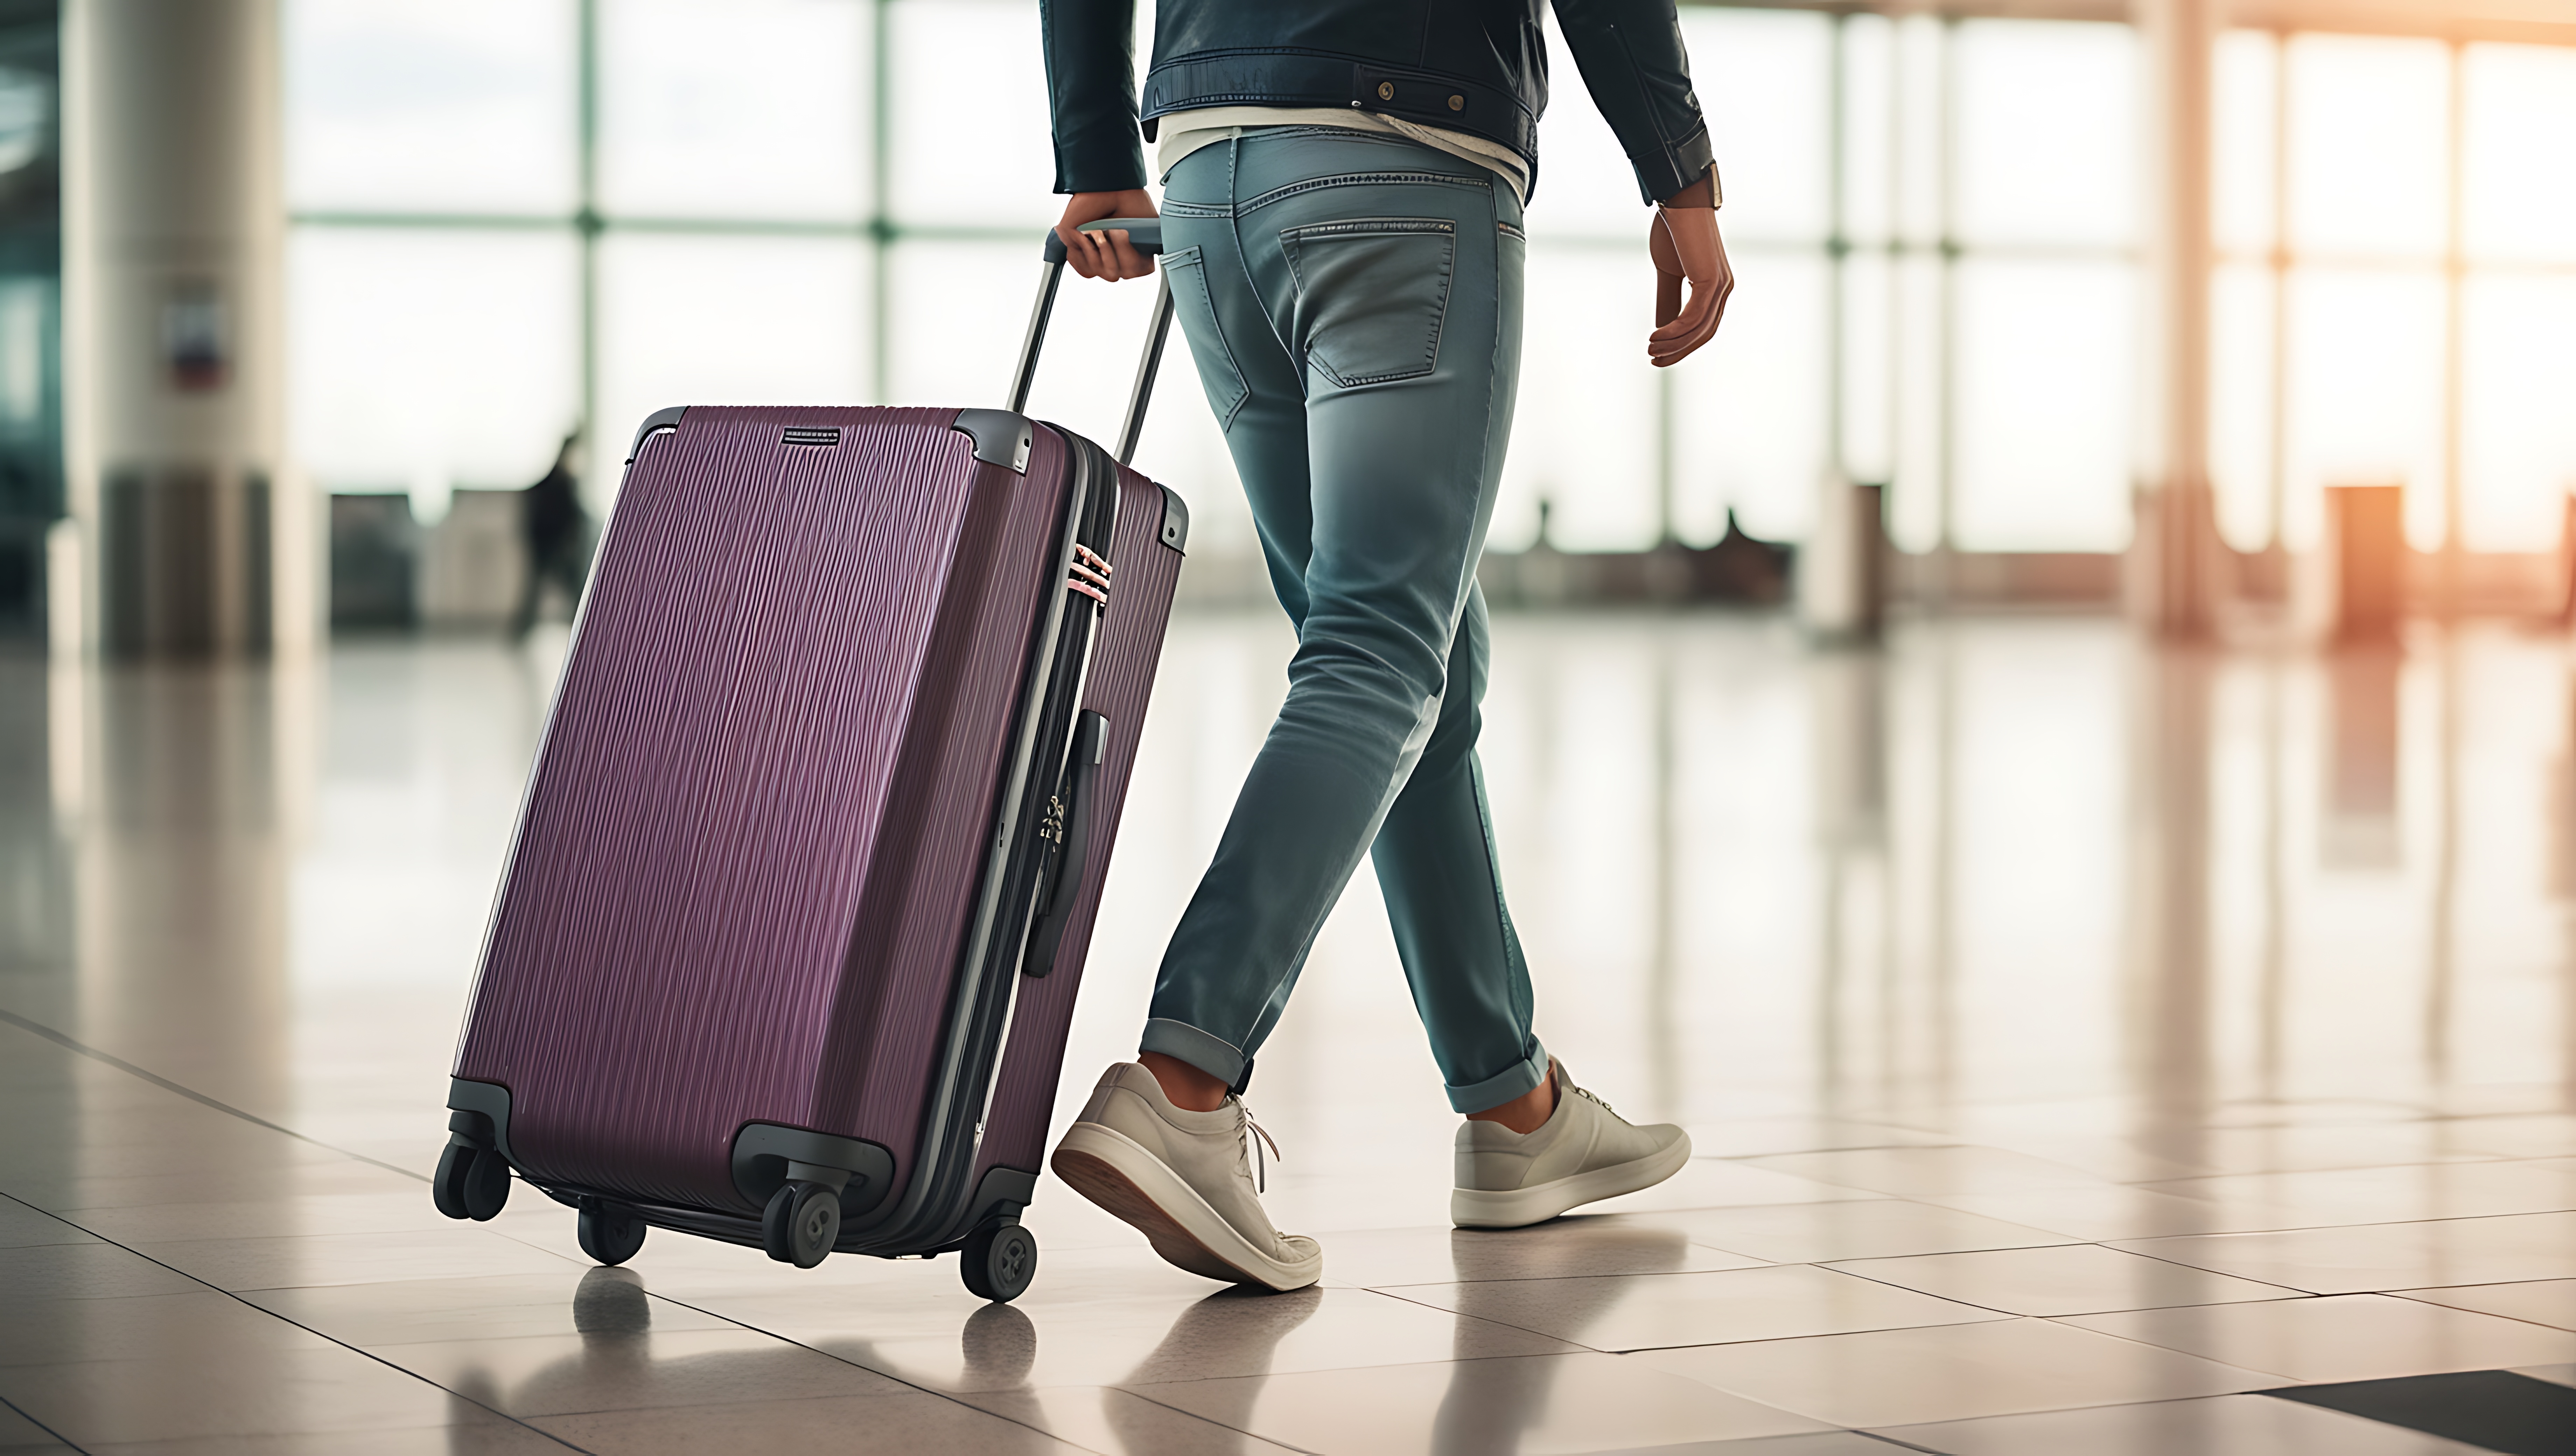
(2174,554)
(174,259)
(2169,902)
(1847,700)
(2364,564)
(1842,568)
(35,874)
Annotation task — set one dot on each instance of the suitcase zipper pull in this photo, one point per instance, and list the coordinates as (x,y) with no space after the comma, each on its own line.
(1050,851)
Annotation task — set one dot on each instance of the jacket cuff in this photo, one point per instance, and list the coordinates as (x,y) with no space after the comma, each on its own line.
(1100,164)
(1674,166)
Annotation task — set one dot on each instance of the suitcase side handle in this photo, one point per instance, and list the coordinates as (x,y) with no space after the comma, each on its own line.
(1063,886)
(1146,234)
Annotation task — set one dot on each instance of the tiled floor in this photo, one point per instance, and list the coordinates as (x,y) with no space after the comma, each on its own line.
(2078,1041)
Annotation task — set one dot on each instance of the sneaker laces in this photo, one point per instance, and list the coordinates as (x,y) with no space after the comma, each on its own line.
(1593,1097)
(1254,1135)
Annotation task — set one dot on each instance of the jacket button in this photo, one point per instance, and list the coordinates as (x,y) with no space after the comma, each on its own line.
(1457,103)
(1386,90)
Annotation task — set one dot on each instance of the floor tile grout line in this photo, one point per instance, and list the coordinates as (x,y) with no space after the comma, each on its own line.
(2288,1292)
(2323,1228)
(2068,1322)
(1892,1443)
(1504,1324)
(235,1297)
(1879,1433)
(2409,1295)
(1211,1420)
(10,1405)
(164,1083)
(1755,1158)
(1139,1390)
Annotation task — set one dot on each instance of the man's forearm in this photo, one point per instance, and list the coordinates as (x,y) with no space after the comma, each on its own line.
(1630,54)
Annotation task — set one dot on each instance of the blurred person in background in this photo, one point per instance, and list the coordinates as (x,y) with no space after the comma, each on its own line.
(1341,228)
(558,534)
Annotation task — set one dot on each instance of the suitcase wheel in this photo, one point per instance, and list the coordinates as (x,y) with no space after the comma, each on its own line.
(472,1181)
(801,1224)
(999,1262)
(447,1186)
(609,1233)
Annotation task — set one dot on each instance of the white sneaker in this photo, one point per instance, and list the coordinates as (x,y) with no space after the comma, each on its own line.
(1185,1179)
(1583,1153)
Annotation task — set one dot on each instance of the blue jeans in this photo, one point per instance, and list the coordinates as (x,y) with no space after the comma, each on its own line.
(1353,303)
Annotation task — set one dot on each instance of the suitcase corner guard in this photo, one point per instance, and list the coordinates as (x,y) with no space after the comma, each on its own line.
(480,1111)
(1002,437)
(766,1157)
(659,422)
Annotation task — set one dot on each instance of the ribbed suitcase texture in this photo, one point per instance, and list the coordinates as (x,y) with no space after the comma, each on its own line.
(749,850)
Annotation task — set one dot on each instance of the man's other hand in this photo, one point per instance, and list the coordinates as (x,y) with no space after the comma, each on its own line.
(1686,248)
(1105,254)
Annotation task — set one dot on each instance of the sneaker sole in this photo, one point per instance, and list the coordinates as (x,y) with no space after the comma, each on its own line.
(1116,1172)
(1521,1207)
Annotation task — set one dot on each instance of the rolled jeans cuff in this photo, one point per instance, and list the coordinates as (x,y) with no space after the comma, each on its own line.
(1209,1053)
(1513,1081)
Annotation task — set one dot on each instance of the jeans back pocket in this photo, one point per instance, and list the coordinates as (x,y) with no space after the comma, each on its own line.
(1185,273)
(1372,294)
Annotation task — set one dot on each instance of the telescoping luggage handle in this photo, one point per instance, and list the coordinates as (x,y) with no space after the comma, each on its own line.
(1145,234)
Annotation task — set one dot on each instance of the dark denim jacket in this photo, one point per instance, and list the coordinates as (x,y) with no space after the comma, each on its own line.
(1475,66)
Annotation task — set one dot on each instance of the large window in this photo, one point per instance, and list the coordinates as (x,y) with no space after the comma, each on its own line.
(1933,226)
(513,215)
(2396,222)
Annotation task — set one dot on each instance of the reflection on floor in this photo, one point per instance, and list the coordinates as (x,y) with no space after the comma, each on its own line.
(2078,1041)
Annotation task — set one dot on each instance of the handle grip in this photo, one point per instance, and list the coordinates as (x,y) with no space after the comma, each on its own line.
(1145,234)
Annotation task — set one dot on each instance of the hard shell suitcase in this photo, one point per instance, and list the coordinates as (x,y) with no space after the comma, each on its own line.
(789,938)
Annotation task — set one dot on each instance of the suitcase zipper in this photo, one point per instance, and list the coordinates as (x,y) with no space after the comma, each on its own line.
(933,1210)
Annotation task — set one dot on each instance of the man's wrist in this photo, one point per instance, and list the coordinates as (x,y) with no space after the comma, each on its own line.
(1702,193)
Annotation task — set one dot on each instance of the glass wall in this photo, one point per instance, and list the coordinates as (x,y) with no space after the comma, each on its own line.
(513,215)
(2396,222)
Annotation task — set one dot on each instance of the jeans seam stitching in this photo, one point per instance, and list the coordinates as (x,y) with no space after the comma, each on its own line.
(1399,227)
(1197,267)
(1243,257)
(1361,179)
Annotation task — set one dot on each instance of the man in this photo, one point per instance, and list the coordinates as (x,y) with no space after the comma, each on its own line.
(1341,221)
(557,533)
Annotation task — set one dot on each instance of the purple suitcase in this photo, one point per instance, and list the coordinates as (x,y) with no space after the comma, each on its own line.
(789,938)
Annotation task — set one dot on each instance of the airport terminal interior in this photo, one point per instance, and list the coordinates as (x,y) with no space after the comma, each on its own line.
(2050,748)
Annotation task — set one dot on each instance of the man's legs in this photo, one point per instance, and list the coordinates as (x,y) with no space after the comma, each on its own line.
(1391,273)
(1353,305)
